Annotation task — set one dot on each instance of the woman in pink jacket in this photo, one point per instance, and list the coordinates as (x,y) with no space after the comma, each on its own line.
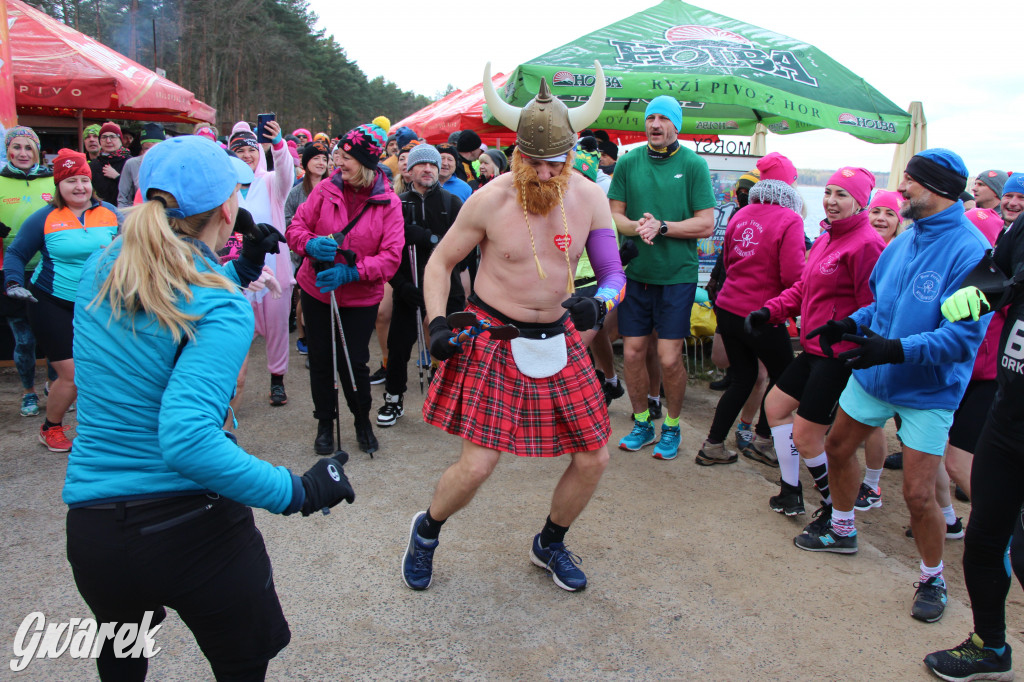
(834,284)
(763,254)
(356,209)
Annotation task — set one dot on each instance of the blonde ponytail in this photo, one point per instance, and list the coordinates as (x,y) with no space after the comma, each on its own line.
(156,268)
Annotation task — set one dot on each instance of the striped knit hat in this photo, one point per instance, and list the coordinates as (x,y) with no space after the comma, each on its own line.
(364,143)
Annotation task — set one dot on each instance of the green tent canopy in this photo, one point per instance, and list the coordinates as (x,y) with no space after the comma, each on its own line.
(727,75)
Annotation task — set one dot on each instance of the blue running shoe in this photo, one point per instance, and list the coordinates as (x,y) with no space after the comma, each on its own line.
(418,560)
(641,436)
(668,446)
(29,405)
(971,661)
(929,600)
(560,563)
(300,345)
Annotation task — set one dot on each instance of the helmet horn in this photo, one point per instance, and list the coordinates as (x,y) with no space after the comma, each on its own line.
(581,117)
(506,114)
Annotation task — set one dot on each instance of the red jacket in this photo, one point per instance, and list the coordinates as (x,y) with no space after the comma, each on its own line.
(763,253)
(377,239)
(834,283)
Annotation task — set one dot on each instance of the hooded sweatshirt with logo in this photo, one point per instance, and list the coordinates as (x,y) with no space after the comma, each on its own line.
(915,274)
(835,278)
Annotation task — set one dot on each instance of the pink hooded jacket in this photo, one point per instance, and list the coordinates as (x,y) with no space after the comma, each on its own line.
(835,279)
(377,238)
(987,363)
(763,253)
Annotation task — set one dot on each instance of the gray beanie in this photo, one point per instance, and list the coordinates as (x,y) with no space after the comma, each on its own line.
(995,179)
(499,159)
(423,153)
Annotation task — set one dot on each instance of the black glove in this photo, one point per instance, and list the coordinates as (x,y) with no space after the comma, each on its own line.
(756,319)
(326,484)
(628,251)
(586,311)
(4,230)
(871,350)
(411,294)
(260,240)
(419,235)
(831,333)
(440,337)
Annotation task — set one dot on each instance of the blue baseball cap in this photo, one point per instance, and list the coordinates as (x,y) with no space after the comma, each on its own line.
(195,171)
(667,106)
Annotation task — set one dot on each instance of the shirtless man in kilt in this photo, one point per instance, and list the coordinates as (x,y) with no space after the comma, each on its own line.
(536,395)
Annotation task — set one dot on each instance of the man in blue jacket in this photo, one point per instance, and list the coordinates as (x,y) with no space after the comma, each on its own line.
(910,362)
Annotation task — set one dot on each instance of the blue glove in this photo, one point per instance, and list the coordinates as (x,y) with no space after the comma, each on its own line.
(332,278)
(322,248)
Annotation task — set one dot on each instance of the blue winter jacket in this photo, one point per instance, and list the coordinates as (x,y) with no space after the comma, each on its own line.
(919,270)
(150,427)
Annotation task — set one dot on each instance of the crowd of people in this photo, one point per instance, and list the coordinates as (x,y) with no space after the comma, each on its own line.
(511,272)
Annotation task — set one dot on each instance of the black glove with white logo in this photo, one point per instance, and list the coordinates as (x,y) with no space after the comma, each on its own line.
(326,484)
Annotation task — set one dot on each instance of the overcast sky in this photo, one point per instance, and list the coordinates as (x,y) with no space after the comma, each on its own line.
(959,62)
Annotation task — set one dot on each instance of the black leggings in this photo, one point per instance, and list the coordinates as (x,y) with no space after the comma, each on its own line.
(402,338)
(770,345)
(997,493)
(358,326)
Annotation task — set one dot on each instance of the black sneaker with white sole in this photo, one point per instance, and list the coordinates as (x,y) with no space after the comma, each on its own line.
(390,411)
(379,376)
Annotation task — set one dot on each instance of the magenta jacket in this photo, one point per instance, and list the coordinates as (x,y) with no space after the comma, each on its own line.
(377,239)
(987,362)
(834,283)
(763,253)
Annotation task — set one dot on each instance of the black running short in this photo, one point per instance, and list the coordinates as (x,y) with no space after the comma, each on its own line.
(52,321)
(817,382)
(970,416)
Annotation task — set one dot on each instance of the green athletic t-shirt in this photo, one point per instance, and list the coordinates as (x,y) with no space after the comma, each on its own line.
(669,189)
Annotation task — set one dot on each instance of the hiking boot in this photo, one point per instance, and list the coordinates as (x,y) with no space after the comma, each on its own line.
(364,435)
(379,376)
(868,498)
(744,435)
(971,661)
(390,411)
(641,436)
(789,501)
(930,599)
(668,446)
(324,443)
(894,461)
(418,560)
(762,450)
(714,454)
(300,345)
(820,519)
(29,405)
(954,531)
(612,391)
(827,541)
(560,563)
(277,395)
(655,408)
(54,439)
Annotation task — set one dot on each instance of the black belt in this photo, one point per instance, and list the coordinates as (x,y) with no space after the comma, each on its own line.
(529,330)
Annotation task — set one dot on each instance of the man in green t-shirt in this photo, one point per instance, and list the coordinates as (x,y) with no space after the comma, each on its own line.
(661,198)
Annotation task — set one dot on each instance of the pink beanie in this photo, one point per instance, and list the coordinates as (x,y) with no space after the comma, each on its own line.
(857,181)
(987,221)
(885,199)
(775,166)
(309,135)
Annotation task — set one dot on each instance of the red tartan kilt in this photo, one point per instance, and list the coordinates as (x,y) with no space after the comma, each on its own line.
(479,394)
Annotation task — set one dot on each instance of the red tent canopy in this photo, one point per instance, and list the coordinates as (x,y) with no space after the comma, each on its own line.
(464,110)
(61,72)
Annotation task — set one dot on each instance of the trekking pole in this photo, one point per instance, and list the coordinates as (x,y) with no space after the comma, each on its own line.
(419,316)
(336,320)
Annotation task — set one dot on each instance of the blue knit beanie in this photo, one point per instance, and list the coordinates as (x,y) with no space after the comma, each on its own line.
(668,107)
(1014,184)
(946,158)
(404,136)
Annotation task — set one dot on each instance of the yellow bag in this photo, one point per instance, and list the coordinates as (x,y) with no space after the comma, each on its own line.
(702,320)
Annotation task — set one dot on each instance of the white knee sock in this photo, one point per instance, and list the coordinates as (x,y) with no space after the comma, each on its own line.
(789,458)
(949,515)
(872,477)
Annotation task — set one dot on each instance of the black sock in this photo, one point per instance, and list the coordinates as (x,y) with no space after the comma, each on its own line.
(277,380)
(552,533)
(429,527)
(820,475)
(47,424)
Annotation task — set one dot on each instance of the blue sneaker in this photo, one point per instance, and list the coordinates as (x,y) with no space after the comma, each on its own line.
(418,560)
(300,345)
(641,435)
(29,405)
(929,600)
(668,446)
(560,563)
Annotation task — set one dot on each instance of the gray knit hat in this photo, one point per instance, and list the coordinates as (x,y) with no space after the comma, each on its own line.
(423,153)
(995,179)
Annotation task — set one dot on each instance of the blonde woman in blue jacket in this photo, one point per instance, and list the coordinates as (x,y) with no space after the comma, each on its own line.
(159,495)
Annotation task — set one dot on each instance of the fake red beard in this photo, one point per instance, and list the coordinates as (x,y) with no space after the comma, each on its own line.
(536,196)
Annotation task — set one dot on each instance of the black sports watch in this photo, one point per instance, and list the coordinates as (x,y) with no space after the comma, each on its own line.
(663,230)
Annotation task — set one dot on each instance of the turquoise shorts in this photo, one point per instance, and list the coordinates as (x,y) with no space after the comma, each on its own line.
(924,430)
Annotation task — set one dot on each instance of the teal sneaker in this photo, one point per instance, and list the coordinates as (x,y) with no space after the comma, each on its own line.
(641,436)
(668,446)
(29,405)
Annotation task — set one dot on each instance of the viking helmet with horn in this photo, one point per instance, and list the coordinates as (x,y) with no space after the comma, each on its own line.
(545,127)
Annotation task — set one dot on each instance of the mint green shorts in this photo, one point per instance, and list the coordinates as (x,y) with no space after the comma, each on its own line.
(924,430)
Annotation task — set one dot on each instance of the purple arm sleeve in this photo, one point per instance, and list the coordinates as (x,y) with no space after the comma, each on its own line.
(603,251)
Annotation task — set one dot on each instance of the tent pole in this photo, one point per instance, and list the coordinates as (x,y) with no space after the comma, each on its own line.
(81,142)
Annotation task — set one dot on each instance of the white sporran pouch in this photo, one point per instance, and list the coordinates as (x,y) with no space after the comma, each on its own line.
(540,358)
